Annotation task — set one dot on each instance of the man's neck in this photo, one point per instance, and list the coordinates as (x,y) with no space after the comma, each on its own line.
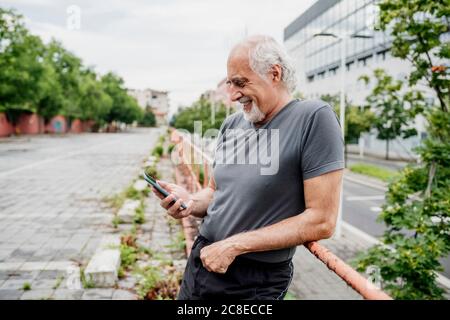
(282,102)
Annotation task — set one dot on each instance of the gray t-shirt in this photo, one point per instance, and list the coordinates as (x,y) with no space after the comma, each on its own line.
(259,172)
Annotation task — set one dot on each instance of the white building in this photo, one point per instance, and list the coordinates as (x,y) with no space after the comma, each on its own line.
(157,101)
(317,58)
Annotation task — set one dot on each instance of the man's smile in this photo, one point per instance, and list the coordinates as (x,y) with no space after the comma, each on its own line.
(246,103)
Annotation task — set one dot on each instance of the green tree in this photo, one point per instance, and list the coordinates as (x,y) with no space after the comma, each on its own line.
(124,107)
(200,110)
(417,209)
(149,119)
(21,56)
(394,110)
(95,103)
(68,74)
(357,120)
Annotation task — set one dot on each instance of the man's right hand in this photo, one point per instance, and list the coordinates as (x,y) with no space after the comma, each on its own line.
(174,208)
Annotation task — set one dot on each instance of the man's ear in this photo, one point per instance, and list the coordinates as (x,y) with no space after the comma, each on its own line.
(276,73)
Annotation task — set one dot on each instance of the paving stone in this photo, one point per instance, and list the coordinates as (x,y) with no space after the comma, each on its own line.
(10,294)
(123,295)
(37,294)
(97,294)
(67,294)
(127,283)
(140,185)
(128,210)
(43,284)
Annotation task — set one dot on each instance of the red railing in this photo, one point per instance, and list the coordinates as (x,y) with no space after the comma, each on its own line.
(193,172)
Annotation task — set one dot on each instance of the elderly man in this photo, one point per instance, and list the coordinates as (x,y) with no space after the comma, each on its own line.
(253,219)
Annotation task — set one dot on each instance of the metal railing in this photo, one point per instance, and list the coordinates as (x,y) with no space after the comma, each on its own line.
(193,168)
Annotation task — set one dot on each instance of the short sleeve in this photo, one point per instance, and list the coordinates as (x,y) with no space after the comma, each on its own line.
(322,146)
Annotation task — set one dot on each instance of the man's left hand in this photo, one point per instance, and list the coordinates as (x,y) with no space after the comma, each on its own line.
(218,256)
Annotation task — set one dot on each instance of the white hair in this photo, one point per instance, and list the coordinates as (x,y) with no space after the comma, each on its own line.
(264,52)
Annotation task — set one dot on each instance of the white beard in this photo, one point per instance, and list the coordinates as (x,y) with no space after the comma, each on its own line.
(254,115)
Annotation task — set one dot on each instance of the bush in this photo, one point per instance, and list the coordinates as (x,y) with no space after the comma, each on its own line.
(148,120)
(158,151)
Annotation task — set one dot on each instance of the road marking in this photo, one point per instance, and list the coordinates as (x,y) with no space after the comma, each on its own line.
(363,198)
(67,155)
(365,183)
(376,209)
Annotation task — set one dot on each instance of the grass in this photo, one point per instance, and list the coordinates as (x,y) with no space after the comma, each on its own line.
(87,283)
(58,282)
(373,171)
(151,171)
(116,221)
(139,215)
(178,242)
(26,286)
(158,151)
(290,296)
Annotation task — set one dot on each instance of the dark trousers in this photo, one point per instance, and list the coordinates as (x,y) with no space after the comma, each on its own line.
(244,279)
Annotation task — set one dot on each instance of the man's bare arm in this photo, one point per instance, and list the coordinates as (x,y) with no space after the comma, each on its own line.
(202,199)
(316,222)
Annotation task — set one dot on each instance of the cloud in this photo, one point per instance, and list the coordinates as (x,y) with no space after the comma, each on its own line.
(174,45)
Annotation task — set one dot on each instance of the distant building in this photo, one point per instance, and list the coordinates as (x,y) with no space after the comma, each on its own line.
(157,101)
(219,95)
(317,58)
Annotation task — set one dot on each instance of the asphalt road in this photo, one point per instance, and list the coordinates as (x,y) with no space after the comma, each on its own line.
(361,207)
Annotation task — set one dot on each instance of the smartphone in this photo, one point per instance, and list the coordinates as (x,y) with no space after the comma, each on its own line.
(160,189)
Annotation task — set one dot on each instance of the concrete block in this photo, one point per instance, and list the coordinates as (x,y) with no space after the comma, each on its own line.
(102,270)
(140,185)
(126,213)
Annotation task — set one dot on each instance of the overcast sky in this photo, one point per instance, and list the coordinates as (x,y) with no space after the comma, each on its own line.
(176,45)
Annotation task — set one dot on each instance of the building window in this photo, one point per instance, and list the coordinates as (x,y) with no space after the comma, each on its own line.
(154,97)
(310,78)
(349,65)
(333,71)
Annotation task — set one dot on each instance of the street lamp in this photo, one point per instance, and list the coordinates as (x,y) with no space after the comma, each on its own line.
(344,39)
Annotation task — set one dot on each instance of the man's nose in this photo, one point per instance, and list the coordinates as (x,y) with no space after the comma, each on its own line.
(234,94)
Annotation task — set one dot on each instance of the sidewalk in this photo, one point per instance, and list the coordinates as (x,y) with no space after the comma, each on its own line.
(314,281)
(52,213)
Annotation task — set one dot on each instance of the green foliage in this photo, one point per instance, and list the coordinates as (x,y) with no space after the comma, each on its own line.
(26,286)
(394,110)
(21,66)
(49,80)
(151,276)
(139,216)
(128,256)
(87,282)
(170,148)
(200,111)
(418,28)
(373,171)
(124,108)
(417,209)
(290,296)
(148,120)
(158,150)
(153,172)
(178,242)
